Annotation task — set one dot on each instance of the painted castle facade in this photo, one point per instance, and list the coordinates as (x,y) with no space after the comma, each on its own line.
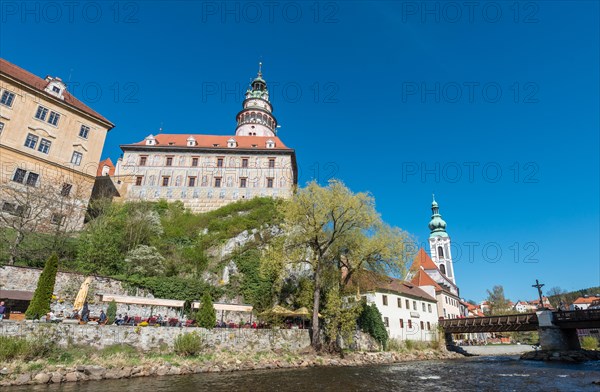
(206,172)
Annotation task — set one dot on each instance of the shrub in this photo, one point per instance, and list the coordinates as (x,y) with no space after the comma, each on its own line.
(370,321)
(589,343)
(40,303)
(188,344)
(12,348)
(206,316)
(111,312)
(395,345)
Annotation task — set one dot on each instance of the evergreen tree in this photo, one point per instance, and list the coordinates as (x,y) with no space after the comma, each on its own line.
(111,312)
(206,316)
(42,297)
(371,322)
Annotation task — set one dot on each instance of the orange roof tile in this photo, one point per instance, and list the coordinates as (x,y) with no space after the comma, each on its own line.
(368,280)
(422,259)
(213,141)
(421,278)
(40,84)
(583,300)
(106,162)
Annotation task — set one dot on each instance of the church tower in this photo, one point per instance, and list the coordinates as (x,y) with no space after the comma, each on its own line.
(439,243)
(256,117)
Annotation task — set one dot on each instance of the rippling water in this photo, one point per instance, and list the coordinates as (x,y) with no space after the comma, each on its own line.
(469,374)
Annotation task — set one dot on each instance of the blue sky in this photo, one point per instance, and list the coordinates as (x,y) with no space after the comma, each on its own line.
(493,108)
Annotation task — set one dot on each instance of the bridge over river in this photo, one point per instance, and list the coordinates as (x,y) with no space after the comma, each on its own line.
(558,330)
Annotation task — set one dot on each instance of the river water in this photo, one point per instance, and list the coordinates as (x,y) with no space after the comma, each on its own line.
(469,374)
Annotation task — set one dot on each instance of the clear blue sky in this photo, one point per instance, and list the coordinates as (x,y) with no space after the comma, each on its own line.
(494,108)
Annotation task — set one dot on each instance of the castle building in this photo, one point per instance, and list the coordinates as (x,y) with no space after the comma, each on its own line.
(435,273)
(50,146)
(206,172)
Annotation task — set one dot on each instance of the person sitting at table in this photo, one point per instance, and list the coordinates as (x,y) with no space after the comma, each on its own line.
(75,314)
(102,319)
(119,320)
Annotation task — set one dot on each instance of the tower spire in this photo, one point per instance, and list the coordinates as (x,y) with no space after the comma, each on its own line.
(256,117)
(260,69)
(437,225)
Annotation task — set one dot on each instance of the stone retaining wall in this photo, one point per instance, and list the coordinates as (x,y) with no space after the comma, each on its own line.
(148,338)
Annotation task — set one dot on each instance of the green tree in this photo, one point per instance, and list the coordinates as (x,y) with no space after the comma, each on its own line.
(145,260)
(497,301)
(332,230)
(42,297)
(340,319)
(206,316)
(371,322)
(111,312)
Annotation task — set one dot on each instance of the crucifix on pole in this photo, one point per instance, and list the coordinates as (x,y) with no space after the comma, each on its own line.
(539,286)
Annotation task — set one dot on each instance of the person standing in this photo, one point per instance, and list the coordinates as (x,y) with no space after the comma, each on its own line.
(2,309)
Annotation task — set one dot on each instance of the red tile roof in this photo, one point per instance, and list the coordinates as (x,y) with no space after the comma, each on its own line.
(371,281)
(209,141)
(40,84)
(106,162)
(583,300)
(423,260)
(421,278)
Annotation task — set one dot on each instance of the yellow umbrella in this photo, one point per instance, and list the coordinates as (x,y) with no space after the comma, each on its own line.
(303,311)
(82,294)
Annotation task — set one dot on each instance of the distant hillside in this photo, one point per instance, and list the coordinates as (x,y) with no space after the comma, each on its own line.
(568,297)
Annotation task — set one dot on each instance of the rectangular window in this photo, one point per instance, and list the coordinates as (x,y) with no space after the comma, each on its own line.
(32,179)
(57,219)
(217,182)
(386,321)
(243,182)
(165,181)
(76,158)
(422,326)
(8,207)
(66,189)
(53,119)
(384,298)
(1,127)
(192,181)
(7,98)
(244,163)
(401,323)
(194,161)
(219,162)
(84,131)
(407,302)
(41,113)
(423,306)
(19,176)
(414,305)
(429,308)
(45,146)
(139,180)
(428,326)
(143,160)
(399,302)
(271,163)
(269,183)
(409,324)
(56,89)
(31,141)
(169,161)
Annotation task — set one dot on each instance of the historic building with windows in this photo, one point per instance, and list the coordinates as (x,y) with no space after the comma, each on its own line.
(50,146)
(206,172)
(435,273)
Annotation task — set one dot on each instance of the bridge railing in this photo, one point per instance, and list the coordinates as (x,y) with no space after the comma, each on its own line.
(576,315)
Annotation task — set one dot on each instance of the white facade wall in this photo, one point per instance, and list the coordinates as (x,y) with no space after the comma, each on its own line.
(417,324)
(146,182)
(448,306)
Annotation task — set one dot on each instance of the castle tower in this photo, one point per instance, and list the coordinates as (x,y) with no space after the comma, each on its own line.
(439,243)
(256,118)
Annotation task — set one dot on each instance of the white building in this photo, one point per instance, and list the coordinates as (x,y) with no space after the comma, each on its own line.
(409,313)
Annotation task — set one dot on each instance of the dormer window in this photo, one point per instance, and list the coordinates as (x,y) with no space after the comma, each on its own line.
(270,144)
(150,140)
(55,87)
(191,141)
(216,145)
(231,143)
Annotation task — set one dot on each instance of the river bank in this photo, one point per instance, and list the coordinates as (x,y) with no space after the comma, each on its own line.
(131,365)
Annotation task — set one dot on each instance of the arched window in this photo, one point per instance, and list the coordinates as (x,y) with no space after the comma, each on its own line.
(443,269)
(440,252)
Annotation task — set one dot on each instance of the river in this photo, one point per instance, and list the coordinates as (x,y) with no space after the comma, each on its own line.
(469,374)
